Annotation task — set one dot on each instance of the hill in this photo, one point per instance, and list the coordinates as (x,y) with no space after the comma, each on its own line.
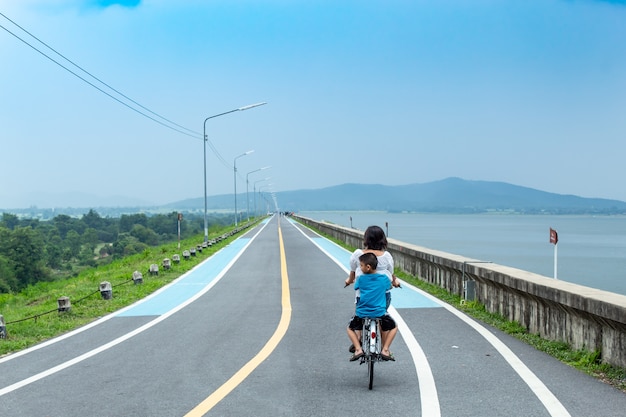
(451,195)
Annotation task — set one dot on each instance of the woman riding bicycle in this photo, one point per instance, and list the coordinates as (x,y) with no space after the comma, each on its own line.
(374,241)
(372,303)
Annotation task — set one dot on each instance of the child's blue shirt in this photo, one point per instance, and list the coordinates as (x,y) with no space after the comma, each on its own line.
(373,300)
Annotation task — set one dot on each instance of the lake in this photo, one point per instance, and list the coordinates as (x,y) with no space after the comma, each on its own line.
(591,250)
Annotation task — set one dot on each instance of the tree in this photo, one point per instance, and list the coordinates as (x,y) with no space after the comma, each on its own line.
(24,248)
(87,256)
(127,245)
(30,249)
(90,238)
(145,235)
(164,224)
(54,252)
(127,221)
(106,250)
(8,282)
(63,224)
(92,219)
(10,221)
(73,243)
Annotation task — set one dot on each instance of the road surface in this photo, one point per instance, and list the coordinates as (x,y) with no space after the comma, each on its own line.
(258,329)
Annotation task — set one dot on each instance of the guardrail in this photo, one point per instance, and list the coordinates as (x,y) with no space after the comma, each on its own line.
(583,317)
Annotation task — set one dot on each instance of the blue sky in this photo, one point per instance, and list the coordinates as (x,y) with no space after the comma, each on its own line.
(395,92)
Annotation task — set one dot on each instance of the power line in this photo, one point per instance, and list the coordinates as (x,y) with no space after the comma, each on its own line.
(95,86)
(171,123)
(93,76)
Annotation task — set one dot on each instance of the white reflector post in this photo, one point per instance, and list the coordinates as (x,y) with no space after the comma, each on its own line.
(3,328)
(106,291)
(137,277)
(63,304)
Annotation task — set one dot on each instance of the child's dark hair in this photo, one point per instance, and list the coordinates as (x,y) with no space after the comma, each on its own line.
(369,259)
(374,238)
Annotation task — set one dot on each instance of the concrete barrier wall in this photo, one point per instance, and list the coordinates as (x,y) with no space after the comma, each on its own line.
(583,317)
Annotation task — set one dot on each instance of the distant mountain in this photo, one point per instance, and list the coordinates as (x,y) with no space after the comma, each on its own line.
(451,195)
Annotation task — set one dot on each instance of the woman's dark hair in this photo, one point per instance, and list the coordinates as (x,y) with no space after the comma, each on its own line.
(374,238)
(370,259)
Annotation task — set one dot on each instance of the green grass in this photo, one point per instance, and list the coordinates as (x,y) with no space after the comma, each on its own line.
(40,301)
(31,316)
(583,360)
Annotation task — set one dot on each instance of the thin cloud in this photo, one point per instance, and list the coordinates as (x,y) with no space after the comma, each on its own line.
(56,6)
(109,3)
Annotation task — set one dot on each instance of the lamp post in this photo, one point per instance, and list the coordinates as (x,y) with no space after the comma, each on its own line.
(275,202)
(262,196)
(254,192)
(235,176)
(247,188)
(267,203)
(206,227)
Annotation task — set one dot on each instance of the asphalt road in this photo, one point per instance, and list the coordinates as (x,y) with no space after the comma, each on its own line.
(259,330)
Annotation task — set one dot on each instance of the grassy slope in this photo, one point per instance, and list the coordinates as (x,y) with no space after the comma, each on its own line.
(40,301)
(31,316)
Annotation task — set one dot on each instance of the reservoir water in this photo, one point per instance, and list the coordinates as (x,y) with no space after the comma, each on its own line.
(591,250)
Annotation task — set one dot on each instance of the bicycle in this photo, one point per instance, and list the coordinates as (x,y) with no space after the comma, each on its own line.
(372,345)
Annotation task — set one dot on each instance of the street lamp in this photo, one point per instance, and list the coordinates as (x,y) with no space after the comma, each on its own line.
(254,192)
(206,226)
(267,203)
(275,202)
(235,175)
(264,191)
(247,183)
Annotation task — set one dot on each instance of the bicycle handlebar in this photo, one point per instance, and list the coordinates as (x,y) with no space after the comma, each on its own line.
(399,286)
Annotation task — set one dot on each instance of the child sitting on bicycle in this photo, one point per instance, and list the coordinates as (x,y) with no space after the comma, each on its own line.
(372,303)
(374,241)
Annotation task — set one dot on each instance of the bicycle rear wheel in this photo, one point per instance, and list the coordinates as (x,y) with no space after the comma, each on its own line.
(370,370)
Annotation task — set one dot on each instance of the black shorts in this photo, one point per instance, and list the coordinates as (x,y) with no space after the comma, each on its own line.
(386,323)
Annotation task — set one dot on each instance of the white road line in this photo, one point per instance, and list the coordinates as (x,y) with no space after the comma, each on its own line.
(547,398)
(100,349)
(429,399)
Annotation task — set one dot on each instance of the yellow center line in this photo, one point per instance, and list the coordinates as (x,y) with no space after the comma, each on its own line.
(218,395)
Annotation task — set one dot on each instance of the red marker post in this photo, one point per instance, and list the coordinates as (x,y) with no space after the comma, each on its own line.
(554,239)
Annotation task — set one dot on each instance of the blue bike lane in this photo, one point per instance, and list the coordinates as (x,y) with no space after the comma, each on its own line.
(33,364)
(189,286)
(455,344)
